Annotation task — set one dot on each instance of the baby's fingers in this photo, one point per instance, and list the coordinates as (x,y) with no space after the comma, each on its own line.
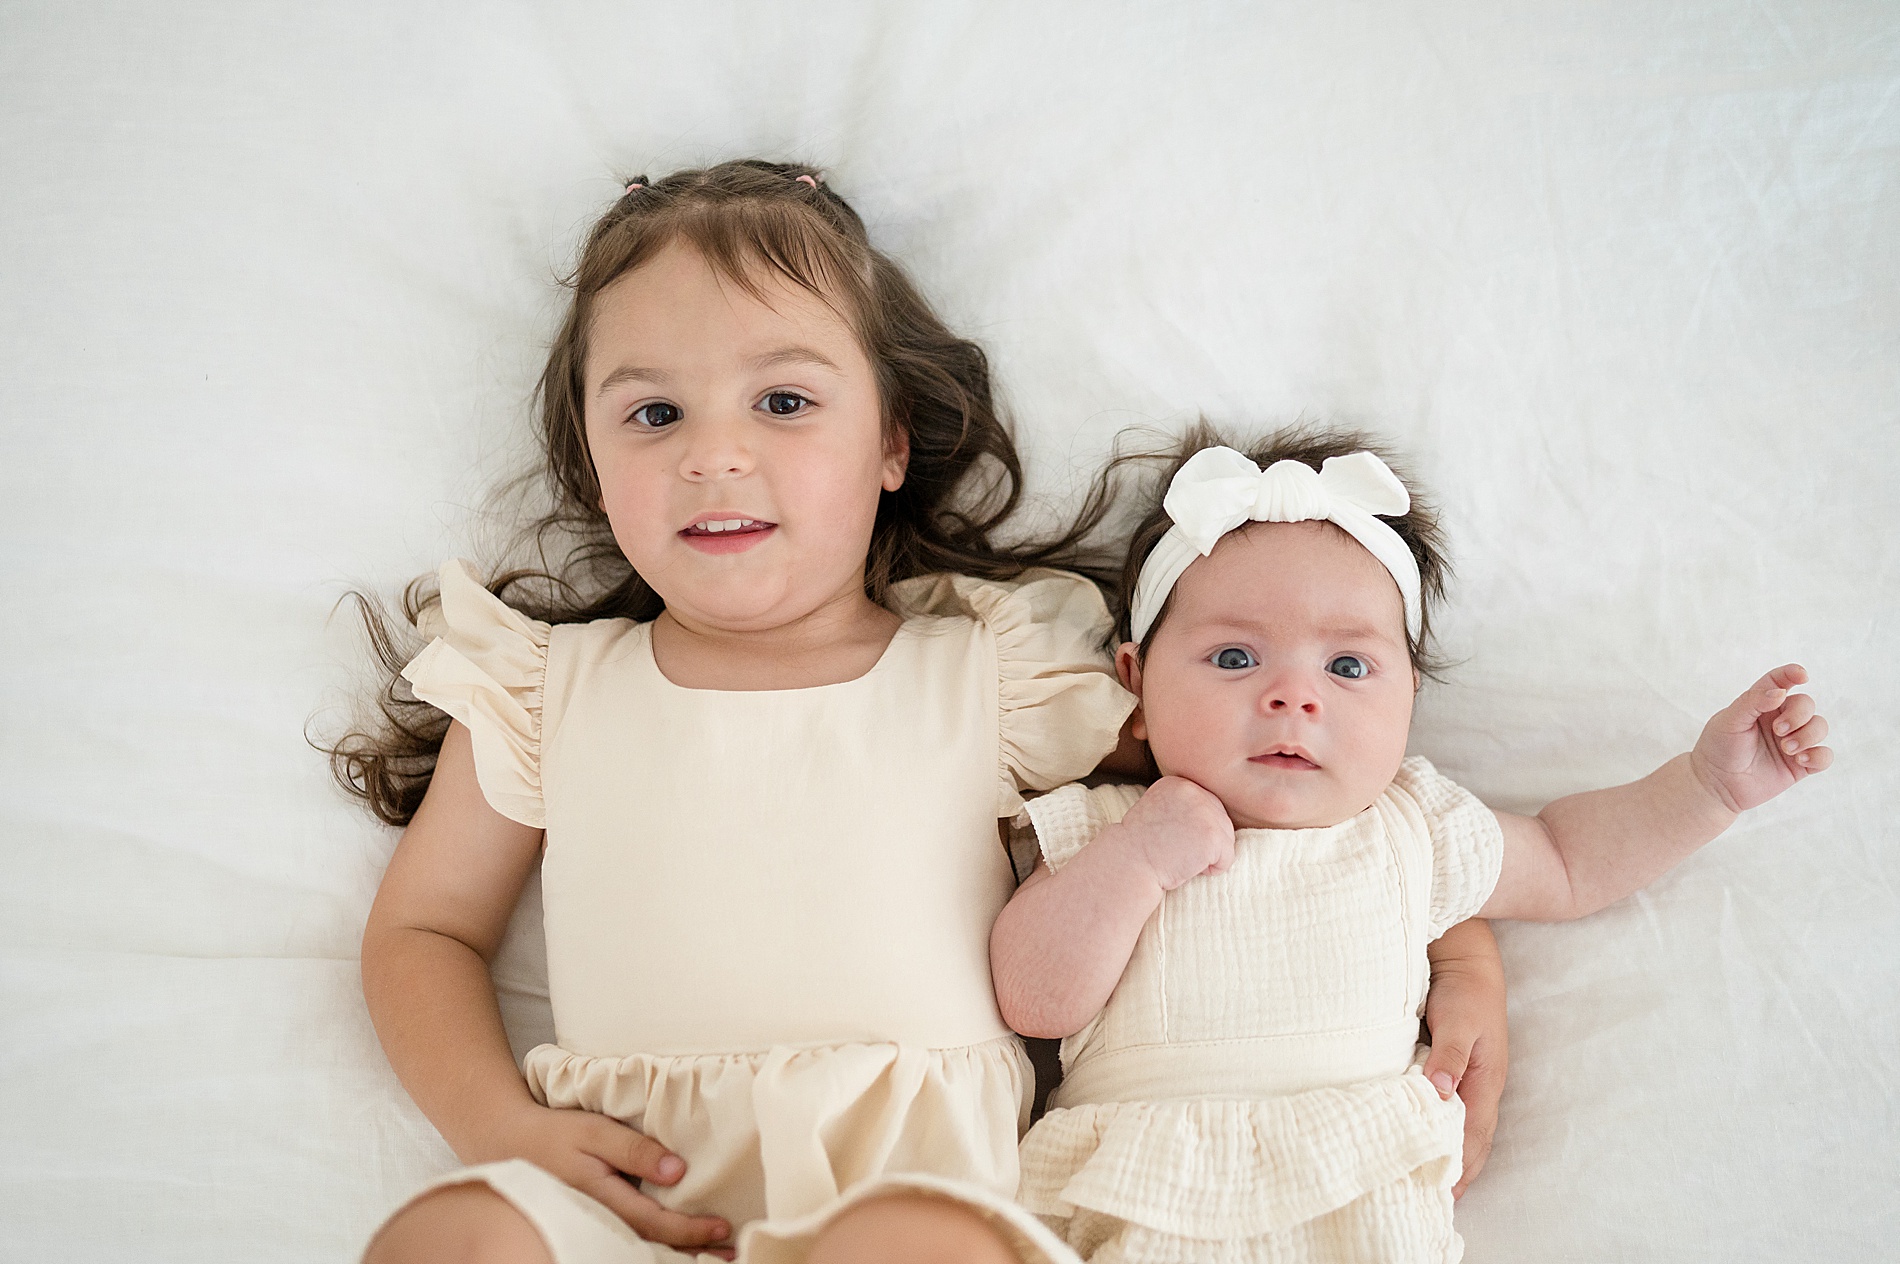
(1802,739)
(1796,711)
(1764,696)
(1814,759)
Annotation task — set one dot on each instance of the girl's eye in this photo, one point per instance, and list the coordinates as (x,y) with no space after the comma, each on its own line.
(785,403)
(657,416)
(1233,658)
(1349,666)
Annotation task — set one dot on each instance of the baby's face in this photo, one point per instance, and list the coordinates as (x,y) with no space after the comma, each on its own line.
(1279,680)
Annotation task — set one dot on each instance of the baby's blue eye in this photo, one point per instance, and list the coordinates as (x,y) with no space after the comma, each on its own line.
(1349,666)
(1233,658)
(784,403)
(657,416)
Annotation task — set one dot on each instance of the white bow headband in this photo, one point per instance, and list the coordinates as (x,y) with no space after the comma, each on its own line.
(1219,489)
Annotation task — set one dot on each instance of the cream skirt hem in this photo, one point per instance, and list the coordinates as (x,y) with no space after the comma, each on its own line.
(579,1230)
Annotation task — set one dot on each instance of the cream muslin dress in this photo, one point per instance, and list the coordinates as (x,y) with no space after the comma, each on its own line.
(1252,1091)
(767,913)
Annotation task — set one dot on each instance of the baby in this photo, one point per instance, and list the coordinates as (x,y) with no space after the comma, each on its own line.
(1236,958)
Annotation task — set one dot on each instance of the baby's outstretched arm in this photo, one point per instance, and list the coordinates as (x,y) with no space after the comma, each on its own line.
(1062,942)
(1586,851)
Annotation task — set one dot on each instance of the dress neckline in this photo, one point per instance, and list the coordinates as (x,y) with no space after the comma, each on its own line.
(666,682)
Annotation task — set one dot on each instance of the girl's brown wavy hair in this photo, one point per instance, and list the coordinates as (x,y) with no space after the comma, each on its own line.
(751,220)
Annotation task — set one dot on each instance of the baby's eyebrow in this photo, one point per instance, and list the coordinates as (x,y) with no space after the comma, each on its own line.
(1355,632)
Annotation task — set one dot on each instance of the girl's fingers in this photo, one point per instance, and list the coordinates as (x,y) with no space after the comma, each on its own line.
(1445,1066)
(632,1152)
(652,1221)
(1481,1089)
(1814,759)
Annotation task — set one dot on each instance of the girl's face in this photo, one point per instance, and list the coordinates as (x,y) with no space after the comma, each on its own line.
(1279,680)
(738,442)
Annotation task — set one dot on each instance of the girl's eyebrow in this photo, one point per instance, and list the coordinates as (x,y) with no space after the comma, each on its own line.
(770,360)
(794,355)
(633,373)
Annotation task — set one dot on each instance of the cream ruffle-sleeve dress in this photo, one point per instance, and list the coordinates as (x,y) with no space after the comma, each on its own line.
(1252,1093)
(768,913)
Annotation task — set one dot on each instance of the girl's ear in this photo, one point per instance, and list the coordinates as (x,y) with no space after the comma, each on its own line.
(1128,667)
(896,459)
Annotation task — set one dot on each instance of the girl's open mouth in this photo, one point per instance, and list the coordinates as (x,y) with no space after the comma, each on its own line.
(727,535)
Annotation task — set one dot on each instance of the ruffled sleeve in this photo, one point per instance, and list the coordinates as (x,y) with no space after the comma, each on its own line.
(486,667)
(1467,843)
(1061,707)
(1061,822)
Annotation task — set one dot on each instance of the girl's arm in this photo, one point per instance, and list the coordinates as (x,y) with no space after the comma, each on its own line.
(1061,943)
(1470,1038)
(1587,851)
(437,922)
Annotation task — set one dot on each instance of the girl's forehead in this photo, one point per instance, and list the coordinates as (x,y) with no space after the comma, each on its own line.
(679,282)
(677,306)
(1278,574)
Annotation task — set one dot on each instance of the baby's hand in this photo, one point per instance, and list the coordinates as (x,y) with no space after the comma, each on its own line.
(1178,831)
(1762,743)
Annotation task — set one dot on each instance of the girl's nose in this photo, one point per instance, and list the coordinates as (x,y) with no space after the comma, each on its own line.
(716,449)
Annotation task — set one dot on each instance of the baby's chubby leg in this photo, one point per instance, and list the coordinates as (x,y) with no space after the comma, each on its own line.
(458,1224)
(907,1228)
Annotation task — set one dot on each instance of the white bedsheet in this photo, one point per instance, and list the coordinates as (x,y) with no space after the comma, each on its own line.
(274,281)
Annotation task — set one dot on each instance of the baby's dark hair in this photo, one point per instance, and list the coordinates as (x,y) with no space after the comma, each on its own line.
(752,221)
(1309,445)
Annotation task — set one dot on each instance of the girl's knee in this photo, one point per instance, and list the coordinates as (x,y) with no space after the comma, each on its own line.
(458,1224)
(910,1229)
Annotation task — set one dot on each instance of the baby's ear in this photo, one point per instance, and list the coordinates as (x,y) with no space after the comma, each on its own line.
(1128,668)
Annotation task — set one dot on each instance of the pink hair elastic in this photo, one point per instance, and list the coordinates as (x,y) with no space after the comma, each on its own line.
(633,185)
(808,180)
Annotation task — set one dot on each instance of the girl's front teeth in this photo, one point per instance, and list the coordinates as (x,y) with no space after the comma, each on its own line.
(729,524)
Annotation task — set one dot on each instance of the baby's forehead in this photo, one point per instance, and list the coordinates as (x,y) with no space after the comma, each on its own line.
(1275,576)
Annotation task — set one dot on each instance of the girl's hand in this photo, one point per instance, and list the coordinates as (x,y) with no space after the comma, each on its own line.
(1471,1040)
(605,1159)
(1177,831)
(1762,743)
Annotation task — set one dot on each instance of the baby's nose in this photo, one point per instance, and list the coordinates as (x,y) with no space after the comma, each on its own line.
(1291,693)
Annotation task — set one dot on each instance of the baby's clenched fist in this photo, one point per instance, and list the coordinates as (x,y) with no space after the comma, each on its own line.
(1178,830)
